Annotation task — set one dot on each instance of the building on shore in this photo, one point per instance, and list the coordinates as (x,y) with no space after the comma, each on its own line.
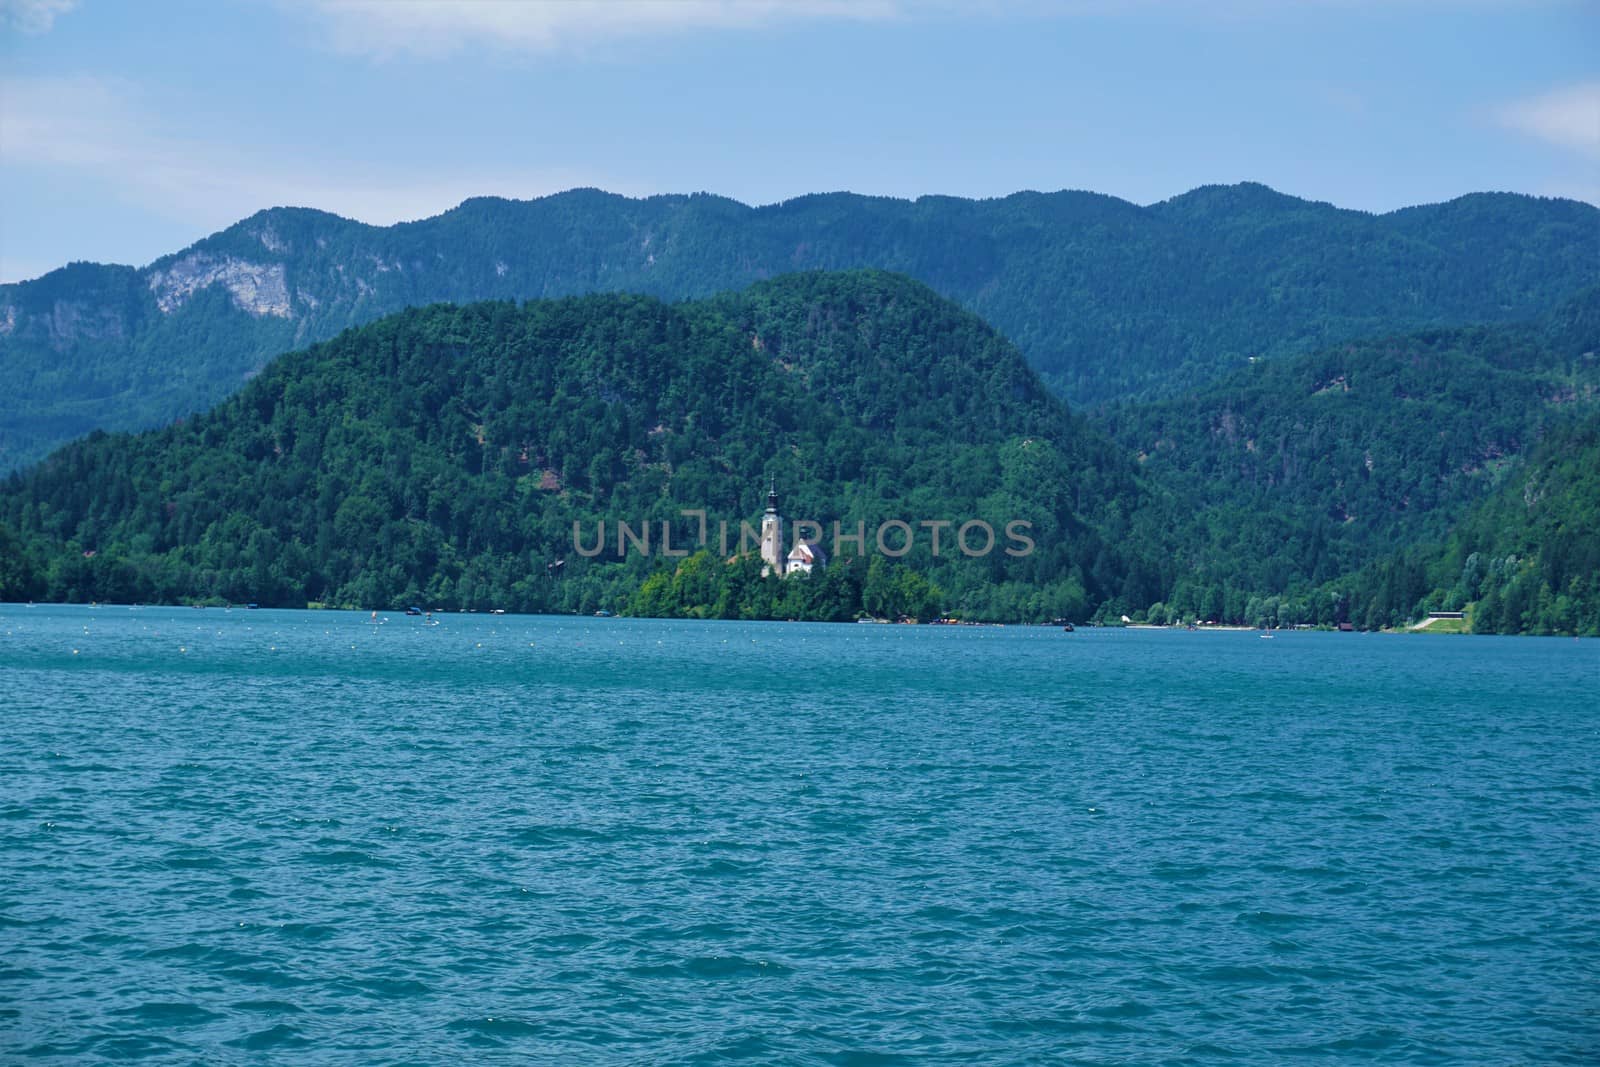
(802,557)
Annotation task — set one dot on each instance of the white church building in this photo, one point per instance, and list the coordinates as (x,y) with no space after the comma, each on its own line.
(801,559)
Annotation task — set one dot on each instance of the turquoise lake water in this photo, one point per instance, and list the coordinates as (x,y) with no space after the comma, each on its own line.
(299,837)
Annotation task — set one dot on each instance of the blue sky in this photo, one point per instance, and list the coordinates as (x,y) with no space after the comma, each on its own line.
(128,130)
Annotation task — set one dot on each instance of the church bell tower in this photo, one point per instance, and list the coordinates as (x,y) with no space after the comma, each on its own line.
(772,536)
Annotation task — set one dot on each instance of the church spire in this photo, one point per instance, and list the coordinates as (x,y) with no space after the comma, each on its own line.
(772,535)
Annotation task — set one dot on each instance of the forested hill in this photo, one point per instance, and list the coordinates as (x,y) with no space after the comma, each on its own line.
(1106,299)
(1528,559)
(443,455)
(1304,469)
(1525,560)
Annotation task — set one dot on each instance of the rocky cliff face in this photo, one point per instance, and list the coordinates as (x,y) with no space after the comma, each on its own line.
(257,288)
(61,324)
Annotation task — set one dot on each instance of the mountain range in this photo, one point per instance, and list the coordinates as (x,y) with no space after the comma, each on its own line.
(1299,414)
(1106,299)
(462,455)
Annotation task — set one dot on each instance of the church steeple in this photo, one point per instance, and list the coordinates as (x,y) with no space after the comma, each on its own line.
(772,535)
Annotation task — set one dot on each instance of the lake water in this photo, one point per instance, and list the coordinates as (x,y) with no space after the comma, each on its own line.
(252,836)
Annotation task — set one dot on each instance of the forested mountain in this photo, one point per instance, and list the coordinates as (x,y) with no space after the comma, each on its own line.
(1525,560)
(1106,299)
(1306,468)
(443,455)
(480,456)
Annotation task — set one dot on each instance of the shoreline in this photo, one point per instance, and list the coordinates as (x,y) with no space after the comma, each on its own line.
(945,622)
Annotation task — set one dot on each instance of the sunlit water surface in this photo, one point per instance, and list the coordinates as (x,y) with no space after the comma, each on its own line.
(250,836)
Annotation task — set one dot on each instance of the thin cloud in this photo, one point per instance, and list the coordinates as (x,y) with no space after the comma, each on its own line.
(33,16)
(73,122)
(97,129)
(443,27)
(1568,118)
(437,28)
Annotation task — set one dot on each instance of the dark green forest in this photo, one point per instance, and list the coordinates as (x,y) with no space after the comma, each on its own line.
(1106,299)
(1528,559)
(443,457)
(1305,469)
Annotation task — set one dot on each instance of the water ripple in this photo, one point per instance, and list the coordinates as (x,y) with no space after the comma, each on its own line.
(312,840)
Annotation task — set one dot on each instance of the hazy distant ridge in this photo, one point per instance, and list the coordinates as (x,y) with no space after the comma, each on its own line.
(1107,299)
